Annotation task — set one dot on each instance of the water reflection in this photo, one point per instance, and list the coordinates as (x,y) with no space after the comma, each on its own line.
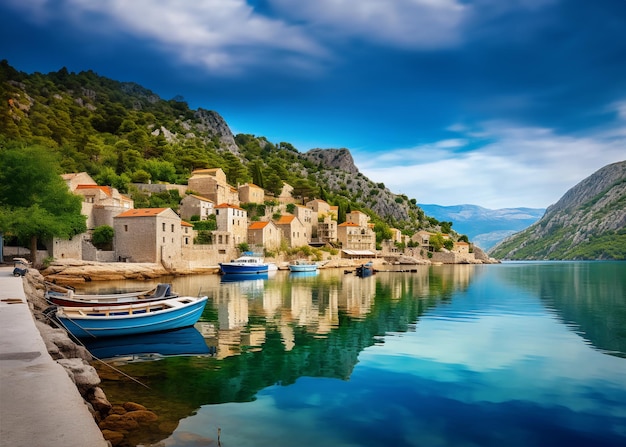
(446,355)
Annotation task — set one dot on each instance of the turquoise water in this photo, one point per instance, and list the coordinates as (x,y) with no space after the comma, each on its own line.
(515,354)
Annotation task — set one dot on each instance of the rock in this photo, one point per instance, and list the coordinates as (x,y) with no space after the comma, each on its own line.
(82,373)
(132,406)
(60,345)
(114,437)
(142,416)
(98,399)
(118,422)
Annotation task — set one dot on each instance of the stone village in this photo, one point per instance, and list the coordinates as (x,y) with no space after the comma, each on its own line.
(163,236)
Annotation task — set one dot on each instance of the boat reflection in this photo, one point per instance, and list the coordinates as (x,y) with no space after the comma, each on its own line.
(153,346)
(244,277)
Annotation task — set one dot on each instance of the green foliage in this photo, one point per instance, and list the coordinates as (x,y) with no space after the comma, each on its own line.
(243,247)
(102,237)
(35,203)
(205,225)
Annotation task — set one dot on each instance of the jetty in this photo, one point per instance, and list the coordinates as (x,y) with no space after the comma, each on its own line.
(39,402)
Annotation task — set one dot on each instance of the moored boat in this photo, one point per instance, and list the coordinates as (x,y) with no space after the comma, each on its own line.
(245,265)
(139,318)
(364,270)
(69,298)
(303,266)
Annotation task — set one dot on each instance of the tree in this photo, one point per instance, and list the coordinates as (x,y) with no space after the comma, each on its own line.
(35,203)
(102,237)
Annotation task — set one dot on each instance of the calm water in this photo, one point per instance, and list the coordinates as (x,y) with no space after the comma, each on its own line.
(516,354)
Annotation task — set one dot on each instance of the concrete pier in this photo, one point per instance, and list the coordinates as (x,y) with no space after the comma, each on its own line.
(39,403)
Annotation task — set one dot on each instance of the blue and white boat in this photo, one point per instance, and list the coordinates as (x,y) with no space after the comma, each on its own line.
(303,266)
(245,265)
(112,321)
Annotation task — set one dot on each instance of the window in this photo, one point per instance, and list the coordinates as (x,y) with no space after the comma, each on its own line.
(125,227)
(172,228)
(163,226)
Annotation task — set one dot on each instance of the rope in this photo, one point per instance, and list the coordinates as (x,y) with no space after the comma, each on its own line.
(80,343)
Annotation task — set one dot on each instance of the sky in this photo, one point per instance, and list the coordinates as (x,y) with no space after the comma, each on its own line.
(497,103)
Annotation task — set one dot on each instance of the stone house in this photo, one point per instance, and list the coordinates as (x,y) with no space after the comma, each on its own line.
(264,234)
(308,217)
(72,180)
(233,220)
(327,230)
(188,234)
(294,231)
(321,207)
(251,193)
(212,184)
(355,237)
(461,247)
(148,235)
(193,205)
(102,203)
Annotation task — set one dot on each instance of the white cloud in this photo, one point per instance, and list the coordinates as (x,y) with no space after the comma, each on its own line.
(520,167)
(403,23)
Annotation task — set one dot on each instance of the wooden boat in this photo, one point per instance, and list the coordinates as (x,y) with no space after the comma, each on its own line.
(70,299)
(303,266)
(138,318)
(245,265)
(364,270)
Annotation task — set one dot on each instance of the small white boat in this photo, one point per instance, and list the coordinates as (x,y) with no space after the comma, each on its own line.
(111,321)
(67,297)
(303,266)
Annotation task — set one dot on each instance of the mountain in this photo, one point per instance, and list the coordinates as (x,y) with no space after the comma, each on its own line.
(588,222)
(484,227)
(121,134)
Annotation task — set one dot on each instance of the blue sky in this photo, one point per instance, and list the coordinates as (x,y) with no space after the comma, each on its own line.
(498,103)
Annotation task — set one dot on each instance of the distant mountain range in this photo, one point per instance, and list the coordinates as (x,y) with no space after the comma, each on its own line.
(588,222)
(484,227)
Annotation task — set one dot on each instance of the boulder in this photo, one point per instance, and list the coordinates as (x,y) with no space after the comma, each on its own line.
(82,373)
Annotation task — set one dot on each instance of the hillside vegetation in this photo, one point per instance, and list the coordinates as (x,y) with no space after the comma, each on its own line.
(122,133)
(588,222)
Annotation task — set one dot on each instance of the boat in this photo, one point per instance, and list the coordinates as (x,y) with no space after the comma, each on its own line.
(71,299)
(365,270)
(138,318)
(245,265)
(303,266)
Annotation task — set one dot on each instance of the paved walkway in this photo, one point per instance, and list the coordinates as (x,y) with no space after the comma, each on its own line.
(39,403)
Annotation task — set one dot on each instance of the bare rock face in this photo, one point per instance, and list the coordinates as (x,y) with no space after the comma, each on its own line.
(82,373)
(99,401)
(73,272)
(59,344)
(333,159)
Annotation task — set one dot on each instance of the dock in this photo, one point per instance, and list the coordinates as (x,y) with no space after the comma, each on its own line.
(39,403)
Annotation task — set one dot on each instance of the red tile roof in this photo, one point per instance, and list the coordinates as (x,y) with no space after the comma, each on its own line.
(142,212)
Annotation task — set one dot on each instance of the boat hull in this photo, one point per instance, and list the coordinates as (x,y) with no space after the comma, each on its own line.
(244,269)
(107,321)
(303,267)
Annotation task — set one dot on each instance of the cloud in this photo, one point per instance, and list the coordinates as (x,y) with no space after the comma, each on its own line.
(513,166)
(398,23)
(218,34)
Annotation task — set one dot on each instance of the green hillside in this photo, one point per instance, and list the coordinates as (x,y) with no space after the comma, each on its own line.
(121,133)
(588,222)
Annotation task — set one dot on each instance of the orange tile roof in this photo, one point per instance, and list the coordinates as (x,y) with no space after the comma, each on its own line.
(142,212)
(258,225)
(348,224)
(105,189)
(185,224)
(228,205)
(201,198)
(285,220)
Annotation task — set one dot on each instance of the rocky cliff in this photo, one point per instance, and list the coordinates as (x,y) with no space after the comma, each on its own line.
(588,222)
